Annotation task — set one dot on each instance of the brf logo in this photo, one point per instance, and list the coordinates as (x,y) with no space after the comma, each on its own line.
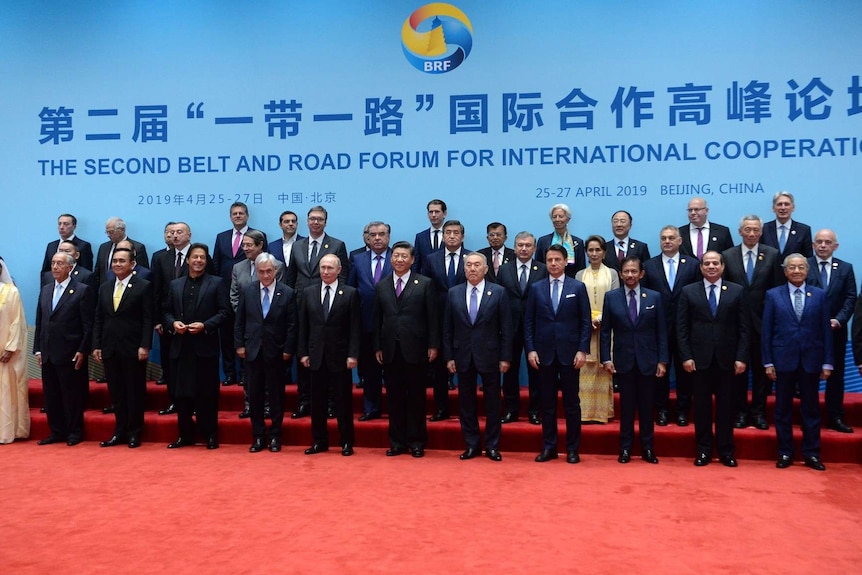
(437,38)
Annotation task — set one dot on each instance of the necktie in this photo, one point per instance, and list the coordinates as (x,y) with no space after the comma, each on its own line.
(496,262)
(700,243)
(797,303)
(58,293)
(474,305)
(782,237)
(378,269)
(313,256)
(178,265)
(621,254)
(450,275)
(265,303)
(398,288)
(555,295)
(671,273)
(713,303)
(436,240)
(633,307)
(253,273)
(522,281)
(110,256)
(749,267)
(236,239)
(326,302)
(118,295)
(824,277)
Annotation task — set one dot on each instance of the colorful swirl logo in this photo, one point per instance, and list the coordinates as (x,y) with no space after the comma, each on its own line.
(437,38)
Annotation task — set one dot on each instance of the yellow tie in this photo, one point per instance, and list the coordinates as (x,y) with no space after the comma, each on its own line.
(118,295)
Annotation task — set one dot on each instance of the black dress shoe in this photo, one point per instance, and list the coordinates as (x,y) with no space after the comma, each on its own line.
(42,409)
(303,411)
(212,443)
(169,410)
(244,414)
(470,453)
(256,446)
(275,445)
(681,420)
(51,439)
(546,455)
(509,418)
(101,380)
(702,459)
(229,380)
(784,461)
(369,415)
(649,456)
(728,461)
(393,451)
(625,456)
(161,381)
(72,441)
(450,384)
(330,413)
(346,450)
(114,441)
(181,442)
(418,452)
(839,425)
(761,423)
(815,462)
(741,421)
(109,409)
(267,413)
(662,419)
(573,457)
(134,442)
(534,419)
(494,455)
(439,415)
(316,448)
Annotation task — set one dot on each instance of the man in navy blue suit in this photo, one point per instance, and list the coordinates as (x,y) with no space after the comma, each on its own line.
(431,239)
(633,318)
(66,225)
(368,268)
(784,234)
(557,328)
(282,247)
(797,354)
(837,278)
(477,341)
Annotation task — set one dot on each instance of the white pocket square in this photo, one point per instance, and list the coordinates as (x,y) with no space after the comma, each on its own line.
(650,307)
(570,295)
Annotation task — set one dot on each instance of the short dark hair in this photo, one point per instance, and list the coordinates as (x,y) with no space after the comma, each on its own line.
(493,225)
(239,205)
(441,203)
(256,236)
(404,245)
(453,223)
(596,238)
(557,248)
(318,209)
(287,213)
(632,259)
(75,220)
(198,246)
(118,250)
(631,219)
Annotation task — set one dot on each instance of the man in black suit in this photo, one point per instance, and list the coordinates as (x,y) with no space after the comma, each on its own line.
(668,273)
(304,271)
(282,247)
(64,325)
(406,339)
(265,338)
(633,319)
(330,328)
(700,235)
(496,254)
(755,267)
(782,233)
(196,307)
(623,246)
(122,335)
(837,278)
(79,273)
(712,330)
(517,276)
(445,268)
(115,229)
(66,225)
(431,239)
(477,342)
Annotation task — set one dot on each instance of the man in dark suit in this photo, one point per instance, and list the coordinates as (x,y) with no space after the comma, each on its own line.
(304,271)
(366,271)
(623,246)
(330,328)
(797,354)
(122,335)
(78,273)
(784,234)
(668,273)
(66,225)
(115,229)
(477,341)
(701,235)
(197,306)
(561,215)
(265,338)
(836,277)
(64,325)
(557,329)
(283,246)
(496,254)
(431,239)
(139,271)
(406,339)
(633,319)
(712,331)
(517,276)
(445,268)
(756,267)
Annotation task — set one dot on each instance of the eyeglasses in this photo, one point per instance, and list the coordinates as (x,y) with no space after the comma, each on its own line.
(316,220)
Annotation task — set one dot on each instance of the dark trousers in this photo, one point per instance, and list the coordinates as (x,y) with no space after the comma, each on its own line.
(835,383)
(372,374)
(468,407)
(683,384)
(164,358)
(66,391)
(228,352)
(512,380)
(637,391)
(566,378)
(760,385)
(707,383)
(340,383)
(786,383)
(405,397)
(127,384)
(203,403)
(440,383)
(265,378)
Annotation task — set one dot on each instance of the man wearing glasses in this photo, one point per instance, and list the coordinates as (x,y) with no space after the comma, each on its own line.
(700,235)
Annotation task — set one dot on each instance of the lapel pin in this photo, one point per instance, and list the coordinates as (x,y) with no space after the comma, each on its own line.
(834,265)
(792,232)
(760,257)
(808,294)
(723,288)
(416,282)
(278,293)
(488,293)
(340,292)
(715,239)
(71,291)
(326,246)
(643,295)
(682,260)
(535,268)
